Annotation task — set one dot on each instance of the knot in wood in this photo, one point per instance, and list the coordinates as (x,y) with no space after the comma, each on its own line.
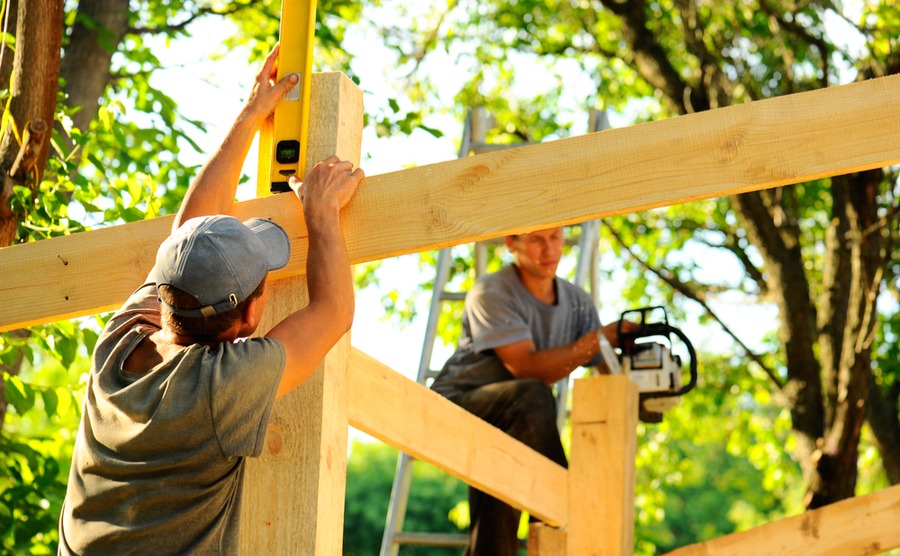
(274,440)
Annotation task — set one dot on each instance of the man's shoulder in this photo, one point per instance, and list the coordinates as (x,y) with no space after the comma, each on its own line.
(140,310)
(504,279)
(143,301)
(500,288)
(250,347)
(572,294)
(570,288)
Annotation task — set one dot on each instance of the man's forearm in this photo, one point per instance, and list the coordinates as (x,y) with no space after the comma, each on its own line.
(329,279)
(552,364)
(309,333)
(214,188)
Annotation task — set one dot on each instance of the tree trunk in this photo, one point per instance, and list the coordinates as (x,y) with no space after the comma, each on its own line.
(6,67)
(32,101)
(32,104)
(779,244)
(96,34)
(826,338)
(881,413)
(846,324)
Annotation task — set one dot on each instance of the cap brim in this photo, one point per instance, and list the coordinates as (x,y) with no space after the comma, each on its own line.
(274,238)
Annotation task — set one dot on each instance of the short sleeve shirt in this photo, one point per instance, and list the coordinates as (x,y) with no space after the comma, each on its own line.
(158,460)
(500,311)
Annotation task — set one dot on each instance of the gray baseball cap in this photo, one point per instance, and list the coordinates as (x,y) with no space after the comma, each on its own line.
(220,260)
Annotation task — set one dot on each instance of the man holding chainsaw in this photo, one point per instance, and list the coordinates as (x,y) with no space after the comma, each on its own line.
(524,328)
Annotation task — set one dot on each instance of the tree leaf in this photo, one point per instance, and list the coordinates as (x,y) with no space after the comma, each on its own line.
(19,394)
(51,401)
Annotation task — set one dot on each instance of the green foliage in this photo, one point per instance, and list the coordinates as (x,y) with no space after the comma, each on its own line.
(32,488)
(261,23)
(887,355)
(716,464)
(36,441)
(370,474)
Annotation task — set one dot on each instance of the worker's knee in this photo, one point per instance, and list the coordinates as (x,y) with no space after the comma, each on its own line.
(535,399)
(532,420)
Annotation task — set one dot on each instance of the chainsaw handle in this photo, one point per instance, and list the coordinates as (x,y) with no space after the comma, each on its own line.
(693,365)
(644,328)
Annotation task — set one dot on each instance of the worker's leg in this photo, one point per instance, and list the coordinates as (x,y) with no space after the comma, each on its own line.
(526,410)
(493,526)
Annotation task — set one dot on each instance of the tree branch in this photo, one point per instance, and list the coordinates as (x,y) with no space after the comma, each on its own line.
(732,244)
(430,38)
(24,166)
(804,34)
(718,88)
(788,282)
(181,26)
(652,61)
(684,290)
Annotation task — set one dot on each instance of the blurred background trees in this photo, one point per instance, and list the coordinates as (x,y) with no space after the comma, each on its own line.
(822,255)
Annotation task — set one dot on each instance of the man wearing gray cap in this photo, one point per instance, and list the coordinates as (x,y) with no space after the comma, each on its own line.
(177,396)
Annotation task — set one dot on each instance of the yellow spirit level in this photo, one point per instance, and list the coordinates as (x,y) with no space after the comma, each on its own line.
(282,145)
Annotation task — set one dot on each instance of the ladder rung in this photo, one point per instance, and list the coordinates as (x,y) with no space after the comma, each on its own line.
(453,296)
(431,539)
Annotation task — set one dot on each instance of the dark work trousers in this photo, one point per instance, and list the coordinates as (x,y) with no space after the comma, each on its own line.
(526,410)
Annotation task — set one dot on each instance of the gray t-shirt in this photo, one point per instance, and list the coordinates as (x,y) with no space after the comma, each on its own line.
(158,460)
(500,311)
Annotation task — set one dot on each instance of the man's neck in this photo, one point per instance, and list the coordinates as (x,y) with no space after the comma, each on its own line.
(185,341)
(543,289)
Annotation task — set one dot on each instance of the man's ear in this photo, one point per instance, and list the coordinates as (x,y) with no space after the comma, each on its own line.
(251,313)
(508,241)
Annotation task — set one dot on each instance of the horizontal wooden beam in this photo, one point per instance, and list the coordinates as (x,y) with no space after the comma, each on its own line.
(862,525)
(409,416)
(731,150)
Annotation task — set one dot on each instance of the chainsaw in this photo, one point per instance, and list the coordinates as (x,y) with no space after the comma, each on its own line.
(651,363)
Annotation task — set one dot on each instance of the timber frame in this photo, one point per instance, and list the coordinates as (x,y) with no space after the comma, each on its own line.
(295,491)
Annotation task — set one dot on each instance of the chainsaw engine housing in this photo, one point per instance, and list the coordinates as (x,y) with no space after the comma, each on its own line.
(646,357)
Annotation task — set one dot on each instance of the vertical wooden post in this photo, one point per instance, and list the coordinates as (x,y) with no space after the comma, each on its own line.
(544,540)
(294,493)
(601,470)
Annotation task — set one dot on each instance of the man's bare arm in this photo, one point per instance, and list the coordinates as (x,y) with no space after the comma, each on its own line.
(309,333)
(524,360)
(214,188)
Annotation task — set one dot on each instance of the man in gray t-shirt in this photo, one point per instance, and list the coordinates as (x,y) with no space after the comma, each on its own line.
(524,328)
(177,395)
